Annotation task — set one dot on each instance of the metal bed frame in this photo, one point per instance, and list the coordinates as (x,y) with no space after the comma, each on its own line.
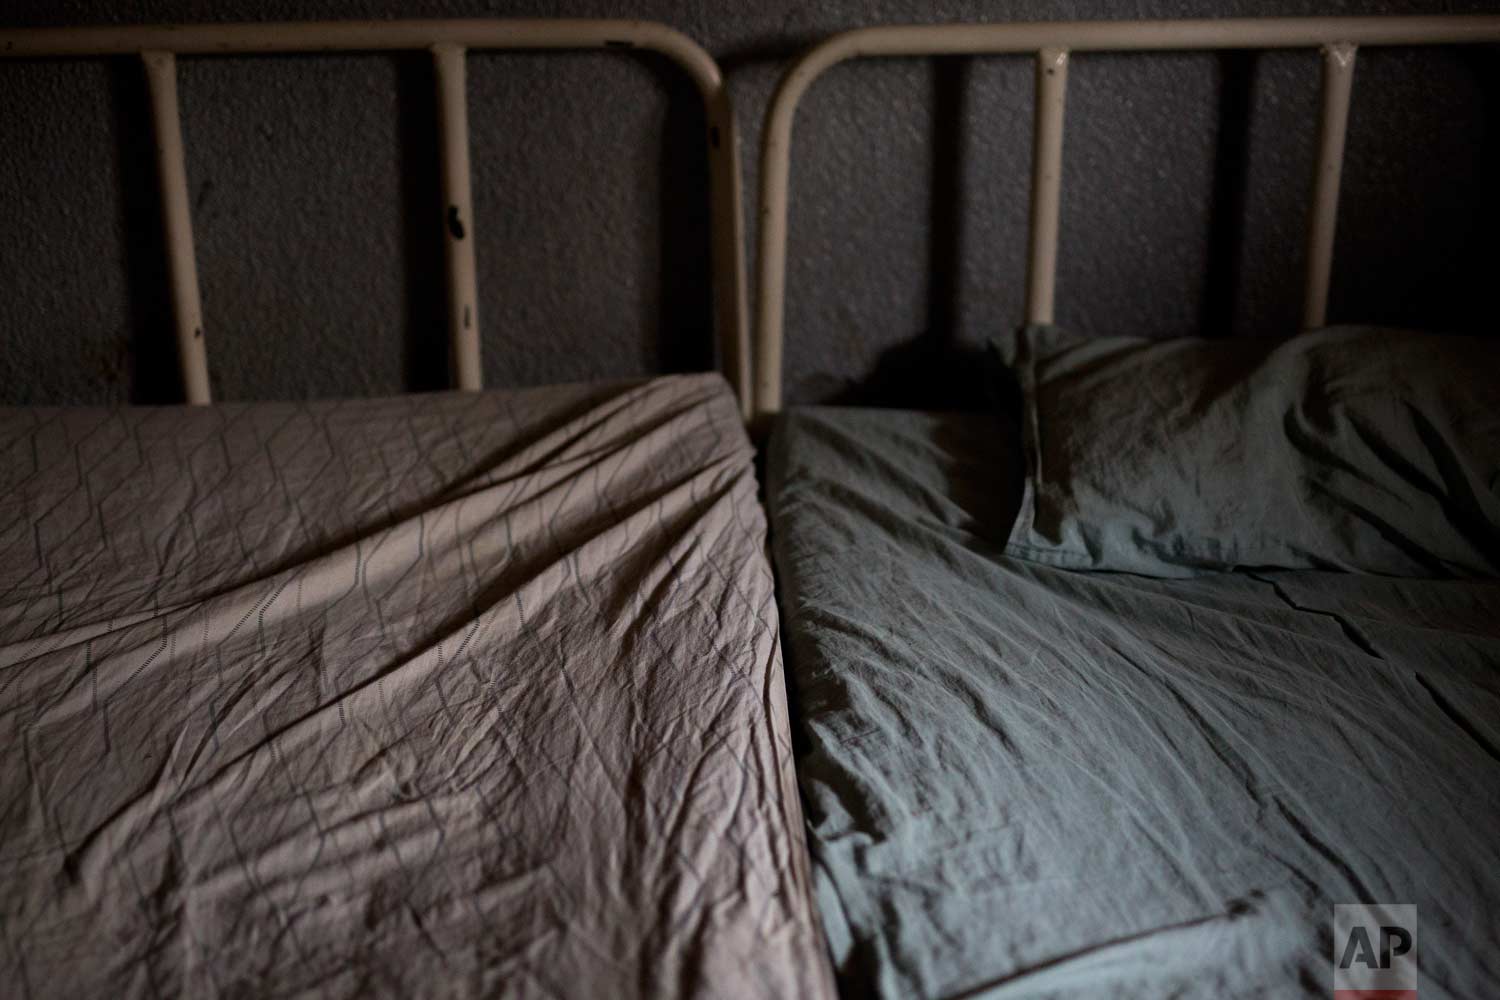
(1051,44)
(448,41)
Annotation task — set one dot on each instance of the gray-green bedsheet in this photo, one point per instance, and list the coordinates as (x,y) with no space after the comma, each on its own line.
(1024,781)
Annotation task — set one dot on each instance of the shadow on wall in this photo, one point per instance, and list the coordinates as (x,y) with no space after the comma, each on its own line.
(684,311)
(1485,65)
(153,371)
(424,351)
(1417,218)
(933,370)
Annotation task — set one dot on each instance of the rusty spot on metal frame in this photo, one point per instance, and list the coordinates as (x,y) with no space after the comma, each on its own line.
(615,43)
(197,333)
(455,224)
(466,317)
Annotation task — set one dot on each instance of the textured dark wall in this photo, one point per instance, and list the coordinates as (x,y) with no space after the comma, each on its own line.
(315,188)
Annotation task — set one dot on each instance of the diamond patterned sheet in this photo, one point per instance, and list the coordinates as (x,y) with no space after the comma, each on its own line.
(447,695)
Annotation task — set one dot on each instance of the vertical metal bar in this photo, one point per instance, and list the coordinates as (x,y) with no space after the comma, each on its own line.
(177,221)
(770,297)
(1338,82)
(1046,182)
(731,311)
(458,215)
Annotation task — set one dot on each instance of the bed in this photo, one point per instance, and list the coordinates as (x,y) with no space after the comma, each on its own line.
(1146,752)
(462,694)
(1032,781)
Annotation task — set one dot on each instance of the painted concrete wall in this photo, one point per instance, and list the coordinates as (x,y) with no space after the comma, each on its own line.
(315,194)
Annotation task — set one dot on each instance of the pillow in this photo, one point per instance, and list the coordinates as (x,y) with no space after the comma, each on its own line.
(1347,448)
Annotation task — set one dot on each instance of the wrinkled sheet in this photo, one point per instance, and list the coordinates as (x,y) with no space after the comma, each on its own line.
(1022,781)
(448,695)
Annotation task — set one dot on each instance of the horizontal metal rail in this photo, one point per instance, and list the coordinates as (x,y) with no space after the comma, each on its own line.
(1052,43)
(448,40)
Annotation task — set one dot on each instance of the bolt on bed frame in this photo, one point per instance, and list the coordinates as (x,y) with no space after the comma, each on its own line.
(448,41)
(1051,43)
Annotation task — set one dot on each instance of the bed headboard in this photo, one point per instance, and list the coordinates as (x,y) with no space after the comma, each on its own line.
(1051,45)
(448,41)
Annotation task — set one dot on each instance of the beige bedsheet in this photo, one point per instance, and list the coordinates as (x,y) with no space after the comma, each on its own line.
(427,696)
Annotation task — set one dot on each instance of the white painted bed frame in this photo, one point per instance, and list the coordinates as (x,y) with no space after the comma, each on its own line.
(448,41)
(1050,44)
